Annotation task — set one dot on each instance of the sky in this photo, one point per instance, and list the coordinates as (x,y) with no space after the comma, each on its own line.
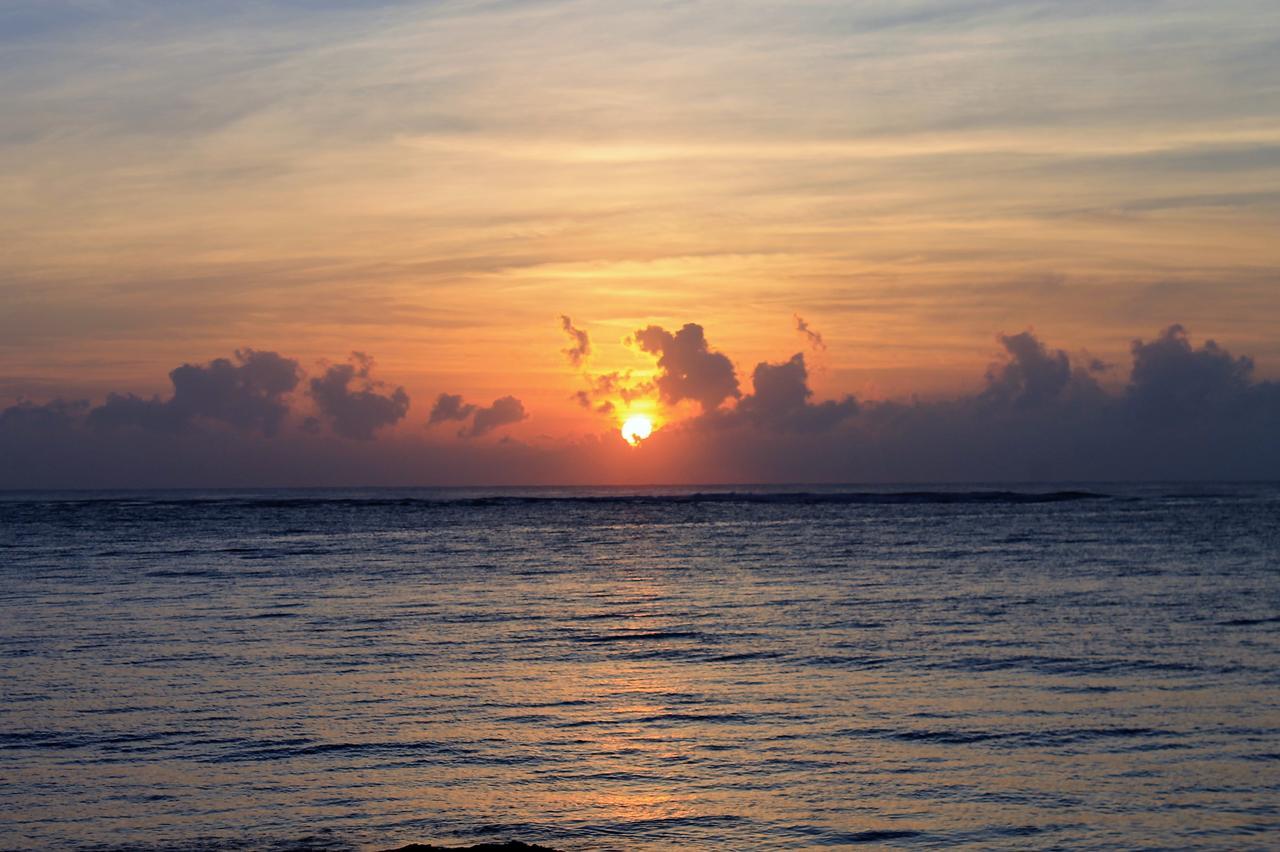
(380,242)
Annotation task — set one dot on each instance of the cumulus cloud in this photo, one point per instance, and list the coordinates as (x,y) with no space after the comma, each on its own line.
(1033,376)
(1186,412)
(1189,411)
(449,406)
(361,411)
(1171,379)
(503,412)
(810,334)
(580,343)
(781,400)
(247,393)
(689,369)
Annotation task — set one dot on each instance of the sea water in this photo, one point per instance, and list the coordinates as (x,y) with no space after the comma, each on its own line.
(1084,666)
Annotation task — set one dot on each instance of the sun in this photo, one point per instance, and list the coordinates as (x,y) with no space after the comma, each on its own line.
(636,429)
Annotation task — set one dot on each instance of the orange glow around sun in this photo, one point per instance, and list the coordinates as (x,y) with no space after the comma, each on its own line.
(636,428)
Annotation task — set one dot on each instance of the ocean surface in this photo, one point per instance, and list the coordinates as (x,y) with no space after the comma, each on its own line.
(1052,666)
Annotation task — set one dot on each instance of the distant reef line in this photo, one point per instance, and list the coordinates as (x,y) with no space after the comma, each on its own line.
(509,846)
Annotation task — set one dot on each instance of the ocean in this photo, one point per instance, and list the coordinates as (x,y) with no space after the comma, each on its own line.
(1049,666)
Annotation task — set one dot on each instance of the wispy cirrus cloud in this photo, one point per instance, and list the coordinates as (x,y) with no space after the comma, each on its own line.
(905,170)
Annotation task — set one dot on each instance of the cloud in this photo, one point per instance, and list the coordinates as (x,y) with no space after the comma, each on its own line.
(604,388)
(1081,154)
(247,393)
(1185,413)
(814,337)
(1173,380)
(690,370)
(781,400)
(449,406)
(361,412)
(1033,376)
(127,411)
(503,412)
(1189,411)
(580,347)
(55,415)
(584,398)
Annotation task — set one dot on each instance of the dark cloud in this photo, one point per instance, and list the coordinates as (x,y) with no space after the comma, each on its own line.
(503,412)
(690,370)
(1186,413)
(449,406)
(126,411)
(56,415)
(781,401)
(1189,411)
(360,412)
(580,343)
(810,334)
(1032,376)
(1172,380)
(247,393)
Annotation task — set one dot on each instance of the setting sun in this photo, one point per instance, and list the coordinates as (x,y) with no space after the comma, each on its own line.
(636,429)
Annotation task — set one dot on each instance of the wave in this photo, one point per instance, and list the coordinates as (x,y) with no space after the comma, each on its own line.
(799,498)
(1051,738)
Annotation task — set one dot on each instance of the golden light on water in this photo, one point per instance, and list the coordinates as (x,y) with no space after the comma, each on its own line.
(636,428)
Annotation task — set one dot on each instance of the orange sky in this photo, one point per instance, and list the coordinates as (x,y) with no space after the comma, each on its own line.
(435,184)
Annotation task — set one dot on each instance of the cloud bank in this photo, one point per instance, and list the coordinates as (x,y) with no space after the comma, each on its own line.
(1182,411)
(246,393)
